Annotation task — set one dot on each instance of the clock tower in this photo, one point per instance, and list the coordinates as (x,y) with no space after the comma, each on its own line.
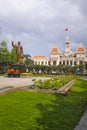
(67,51)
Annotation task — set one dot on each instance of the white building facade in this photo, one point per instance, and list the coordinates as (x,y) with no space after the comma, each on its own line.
(67,57)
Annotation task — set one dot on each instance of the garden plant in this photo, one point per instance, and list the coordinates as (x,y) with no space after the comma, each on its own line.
(53,83)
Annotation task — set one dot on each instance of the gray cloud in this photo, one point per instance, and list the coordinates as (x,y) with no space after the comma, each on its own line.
(40,24)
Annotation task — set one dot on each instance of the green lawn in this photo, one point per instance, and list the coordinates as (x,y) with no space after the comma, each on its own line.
(24,110)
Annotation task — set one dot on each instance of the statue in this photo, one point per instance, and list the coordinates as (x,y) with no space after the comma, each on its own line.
(19,51)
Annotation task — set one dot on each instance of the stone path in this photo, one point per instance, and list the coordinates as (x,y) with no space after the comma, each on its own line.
(82,125)
(9,83)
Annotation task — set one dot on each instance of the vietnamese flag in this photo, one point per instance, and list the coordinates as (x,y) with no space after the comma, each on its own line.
(66,29)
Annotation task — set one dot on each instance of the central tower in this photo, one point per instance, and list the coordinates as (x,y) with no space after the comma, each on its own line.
(67,51)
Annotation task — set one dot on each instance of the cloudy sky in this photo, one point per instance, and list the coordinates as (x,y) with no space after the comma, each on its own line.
(40,24)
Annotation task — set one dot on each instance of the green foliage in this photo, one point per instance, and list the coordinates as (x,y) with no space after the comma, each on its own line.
(60,69)
(6,57)
(26,74)
(37,68)
(3,44)
(24,110)
(32,87)
(29,63)
(86,66)
(13,55)
(54,83)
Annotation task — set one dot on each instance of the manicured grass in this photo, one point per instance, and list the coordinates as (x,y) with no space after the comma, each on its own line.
(24,110)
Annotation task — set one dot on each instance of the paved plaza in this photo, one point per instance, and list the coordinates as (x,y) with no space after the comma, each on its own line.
(18,82)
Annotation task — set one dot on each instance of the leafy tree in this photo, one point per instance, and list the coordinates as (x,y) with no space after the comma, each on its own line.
(4,53)
(43,69)
(13,55)
(6,57)
(86,66)
(81,68)
(29,63)
(3,44)
(49,69)
(37,68)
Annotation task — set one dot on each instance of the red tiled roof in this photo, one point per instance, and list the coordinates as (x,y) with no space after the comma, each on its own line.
(80,49)
(54,50)
(39,57)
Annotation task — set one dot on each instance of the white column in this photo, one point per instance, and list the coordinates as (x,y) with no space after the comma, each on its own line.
(51,62)
(43,62)
(58,62)
(69,62)
(40,62)
(65,62)
(47,62)
(77,62)
(37,62)
(73,63)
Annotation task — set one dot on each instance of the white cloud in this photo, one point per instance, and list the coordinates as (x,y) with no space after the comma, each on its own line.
(40,24)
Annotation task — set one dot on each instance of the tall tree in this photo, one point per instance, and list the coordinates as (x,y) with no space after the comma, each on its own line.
(6,57)
(3,44)
(86,66)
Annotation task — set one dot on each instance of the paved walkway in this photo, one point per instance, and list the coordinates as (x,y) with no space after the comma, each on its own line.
(18,82)
(82,125)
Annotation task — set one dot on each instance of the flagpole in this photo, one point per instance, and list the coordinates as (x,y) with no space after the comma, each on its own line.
(66,30)
(0,30)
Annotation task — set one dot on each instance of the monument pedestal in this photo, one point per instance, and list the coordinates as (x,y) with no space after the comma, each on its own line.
(20,67)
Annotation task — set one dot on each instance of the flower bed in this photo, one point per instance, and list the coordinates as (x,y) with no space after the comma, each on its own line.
(53,83)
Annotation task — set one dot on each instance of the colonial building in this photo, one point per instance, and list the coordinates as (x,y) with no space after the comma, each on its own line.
(41,60)
(67,57)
